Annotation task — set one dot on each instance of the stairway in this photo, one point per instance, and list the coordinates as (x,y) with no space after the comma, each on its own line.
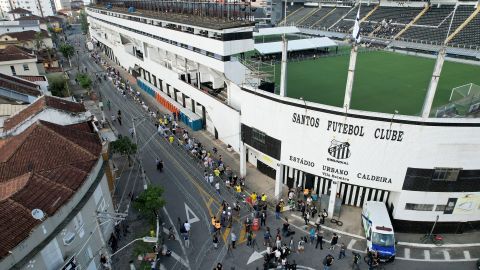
(321,19)
(299,22)
(289,15)
(460,28)
(425,9)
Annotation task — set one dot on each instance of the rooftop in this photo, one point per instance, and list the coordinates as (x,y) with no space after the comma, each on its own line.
(26,35)
(209,22)
(41,168)
(19,85)
(38,106)
(31,18)
(12,53)
(19,11)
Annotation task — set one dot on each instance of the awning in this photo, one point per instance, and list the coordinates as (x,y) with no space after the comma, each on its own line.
(295,45)
(276,31)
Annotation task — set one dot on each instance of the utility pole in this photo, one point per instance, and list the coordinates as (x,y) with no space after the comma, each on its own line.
(135,137)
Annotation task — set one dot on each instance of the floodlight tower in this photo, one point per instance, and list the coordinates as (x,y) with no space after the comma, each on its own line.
(437,70)
(353,62)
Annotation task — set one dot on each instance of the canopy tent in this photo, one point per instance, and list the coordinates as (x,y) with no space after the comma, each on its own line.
(295,45)
(271,31)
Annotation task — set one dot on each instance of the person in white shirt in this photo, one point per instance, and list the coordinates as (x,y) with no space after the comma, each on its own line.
(187,226)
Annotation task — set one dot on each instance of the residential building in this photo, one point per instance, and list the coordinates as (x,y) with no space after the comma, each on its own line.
(52,187)
(41,21)
(13,9)
(17,90)
(17,61)
(27,39)
(38,80)
(19,26)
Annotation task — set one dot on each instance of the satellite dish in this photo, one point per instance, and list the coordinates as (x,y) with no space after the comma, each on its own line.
(38,214)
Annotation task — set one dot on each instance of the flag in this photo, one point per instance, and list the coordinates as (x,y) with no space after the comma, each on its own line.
(356,27)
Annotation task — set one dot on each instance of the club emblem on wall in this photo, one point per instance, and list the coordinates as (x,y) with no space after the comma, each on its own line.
(339,150)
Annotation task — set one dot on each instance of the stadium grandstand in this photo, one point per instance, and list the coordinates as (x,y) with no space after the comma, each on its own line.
(409,25)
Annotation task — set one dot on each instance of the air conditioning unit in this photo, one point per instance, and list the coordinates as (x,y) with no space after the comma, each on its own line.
(68,238)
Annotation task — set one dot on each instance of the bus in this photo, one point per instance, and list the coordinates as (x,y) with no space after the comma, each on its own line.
(378,230)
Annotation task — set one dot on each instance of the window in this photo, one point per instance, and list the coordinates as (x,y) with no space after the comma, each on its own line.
(258,136)
(418,207)
(440,207)
(445,174)
(12,68)
(25,67)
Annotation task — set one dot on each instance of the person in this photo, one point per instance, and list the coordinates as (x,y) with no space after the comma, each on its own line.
(306,218)
(324,215)
(319,239)
(285,227)
(342,251)
(171,234)
(217,187)
(210,179)
(187,226)
(277,211)
(249,238)
(263,218)
(334,241)
(318,221)
(108,105)
(104,262)
(215,241)
(266,236)
(312,234)
(301,245)
(264,197)
(327,262)
(187,240)
(356,261)
(161,166)
(233,238)
(157,161)
(113,118)
(219,266)
(291,245)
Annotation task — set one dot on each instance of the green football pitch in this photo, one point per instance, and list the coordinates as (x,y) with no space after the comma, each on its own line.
(384,81)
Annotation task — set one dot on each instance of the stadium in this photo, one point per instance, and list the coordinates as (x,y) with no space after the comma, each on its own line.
(404,133)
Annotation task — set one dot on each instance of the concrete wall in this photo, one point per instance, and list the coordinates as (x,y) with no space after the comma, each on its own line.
(86,235)
(19,68)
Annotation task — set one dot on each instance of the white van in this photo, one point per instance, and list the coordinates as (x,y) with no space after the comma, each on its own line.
(378,230)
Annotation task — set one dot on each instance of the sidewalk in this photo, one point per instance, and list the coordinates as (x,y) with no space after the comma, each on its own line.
(260,183)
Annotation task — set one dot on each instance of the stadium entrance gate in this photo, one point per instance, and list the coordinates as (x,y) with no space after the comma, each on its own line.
(350,194)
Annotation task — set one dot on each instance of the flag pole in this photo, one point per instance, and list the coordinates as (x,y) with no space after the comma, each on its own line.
(353,62)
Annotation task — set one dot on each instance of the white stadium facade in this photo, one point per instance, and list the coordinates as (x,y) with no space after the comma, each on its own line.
(420,167)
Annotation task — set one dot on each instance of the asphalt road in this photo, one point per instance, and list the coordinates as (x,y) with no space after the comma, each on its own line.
(185,188)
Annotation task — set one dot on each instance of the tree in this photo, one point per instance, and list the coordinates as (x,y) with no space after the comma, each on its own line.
(83,21)
(38,42)
(149,202)
(84,80)
(67,50)
(124,146)
(58,86)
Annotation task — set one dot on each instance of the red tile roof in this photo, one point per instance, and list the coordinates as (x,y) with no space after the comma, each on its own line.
(41,168)
(38,106)
(33,78)
(19,11)
(31,18)
(11,53)
(26,35)
(18,85)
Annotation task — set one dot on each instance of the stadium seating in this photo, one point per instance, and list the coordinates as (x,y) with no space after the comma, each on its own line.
(437,33)
(316,17)
(333,17)
(347,23)
(299,15)
(470,35)
(395,14)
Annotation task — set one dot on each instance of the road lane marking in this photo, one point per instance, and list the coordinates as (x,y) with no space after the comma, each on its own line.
(407,253)
(225,234)
(179,259)
(446,255)
(188,212)
(466,254)
(426,254)
(352,242)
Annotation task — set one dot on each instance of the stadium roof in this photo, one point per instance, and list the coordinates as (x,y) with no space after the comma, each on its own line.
(276,31)
(295,45)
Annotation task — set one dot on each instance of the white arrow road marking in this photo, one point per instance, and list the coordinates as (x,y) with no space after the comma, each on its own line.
(352,242)
(189,212)
(255,256)
(180,260)
(466,253)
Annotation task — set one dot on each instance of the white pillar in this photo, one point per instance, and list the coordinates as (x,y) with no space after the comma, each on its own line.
(283,74)
(278,181)
(432,87)
(243,159)
(350,77)
(333,197)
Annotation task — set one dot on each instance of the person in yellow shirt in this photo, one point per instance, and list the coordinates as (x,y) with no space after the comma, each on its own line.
(171,139)
(254,197)
(264,197)
(216,172)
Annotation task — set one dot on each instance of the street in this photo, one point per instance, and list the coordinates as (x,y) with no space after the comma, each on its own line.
(189,197)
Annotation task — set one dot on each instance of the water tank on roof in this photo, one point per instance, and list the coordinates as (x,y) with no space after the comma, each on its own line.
(108,6)
(131,9)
